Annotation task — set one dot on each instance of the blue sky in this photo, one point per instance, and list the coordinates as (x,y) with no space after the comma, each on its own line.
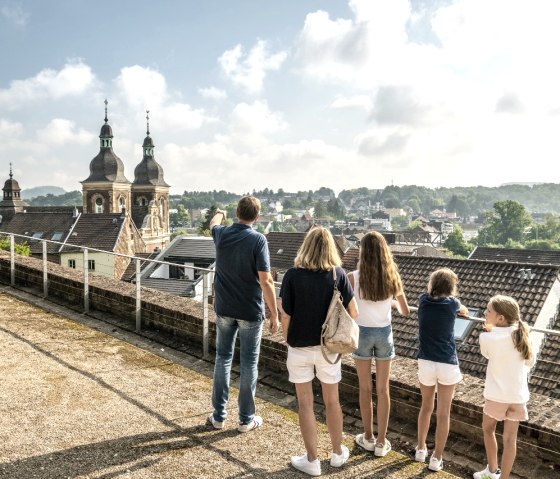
(292,94)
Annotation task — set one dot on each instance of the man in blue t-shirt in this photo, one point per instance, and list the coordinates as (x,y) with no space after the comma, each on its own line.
(242,278)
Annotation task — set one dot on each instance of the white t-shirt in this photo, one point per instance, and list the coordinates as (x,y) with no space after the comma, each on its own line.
(507,371)
(372,314)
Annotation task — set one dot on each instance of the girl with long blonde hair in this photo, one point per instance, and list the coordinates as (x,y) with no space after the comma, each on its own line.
(305,294)
(507,346)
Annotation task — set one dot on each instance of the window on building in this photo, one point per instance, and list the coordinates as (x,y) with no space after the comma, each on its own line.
(57,236)
(72,263)
(37,235)
(122,202)
(91,264)
(463,327)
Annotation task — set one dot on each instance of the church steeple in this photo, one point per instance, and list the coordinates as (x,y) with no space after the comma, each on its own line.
(148,145)
(11,202)
(106,189)
(149,171)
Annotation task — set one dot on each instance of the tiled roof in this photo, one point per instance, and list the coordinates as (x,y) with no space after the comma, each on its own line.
(416,250)
(533,256)
(46,223)
(192,247)
(350,259)
(545,378)
(130,271)
(478,281)
(283,248)
(100,231)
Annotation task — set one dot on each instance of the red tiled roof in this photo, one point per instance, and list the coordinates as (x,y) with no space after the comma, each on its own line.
(533,256)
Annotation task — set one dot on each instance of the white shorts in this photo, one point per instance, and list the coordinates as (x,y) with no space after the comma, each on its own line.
(430,373)
(304,363)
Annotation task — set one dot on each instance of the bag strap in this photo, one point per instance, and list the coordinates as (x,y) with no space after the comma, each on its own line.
(334,277)
(323,348)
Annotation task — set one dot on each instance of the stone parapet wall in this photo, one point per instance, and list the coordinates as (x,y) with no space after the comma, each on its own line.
(182,319)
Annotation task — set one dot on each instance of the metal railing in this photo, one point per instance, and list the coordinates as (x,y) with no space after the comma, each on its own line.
(138,292)
(481,320)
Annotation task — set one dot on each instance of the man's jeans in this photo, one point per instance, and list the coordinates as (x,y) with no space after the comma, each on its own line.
(249,345)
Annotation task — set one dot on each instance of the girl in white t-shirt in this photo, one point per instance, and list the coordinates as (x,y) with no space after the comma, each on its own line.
(377,287)
(507,346)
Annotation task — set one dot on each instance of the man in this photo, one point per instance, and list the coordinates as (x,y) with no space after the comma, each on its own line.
(242,278)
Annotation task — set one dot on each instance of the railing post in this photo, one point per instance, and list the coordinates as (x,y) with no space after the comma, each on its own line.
(205,314)
(138,297)
(12,261)
(86,282)
(45,277)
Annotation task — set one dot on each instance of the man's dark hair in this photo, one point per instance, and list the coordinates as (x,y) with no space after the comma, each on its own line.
(248,208)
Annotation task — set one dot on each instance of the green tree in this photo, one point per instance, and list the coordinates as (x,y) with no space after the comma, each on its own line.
(508,221)
(19,248)
(320,209)
(204,225)
(180,219)
(456,243)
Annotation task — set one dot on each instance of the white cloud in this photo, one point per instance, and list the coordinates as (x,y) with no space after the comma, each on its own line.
(146,89)
(212,93)
(72,80)
(357,101)
(254,124)
(10,129)
(60,131)
(249,71)
(14,12)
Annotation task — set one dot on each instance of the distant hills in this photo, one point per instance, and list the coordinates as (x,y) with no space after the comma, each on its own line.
(29,193)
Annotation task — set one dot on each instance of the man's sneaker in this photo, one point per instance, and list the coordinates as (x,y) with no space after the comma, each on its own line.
(367,444)
(421,454)
(381,450)
(486,474)
(253,424)
(435,463)
(338,459)
(301,463)
(215,424)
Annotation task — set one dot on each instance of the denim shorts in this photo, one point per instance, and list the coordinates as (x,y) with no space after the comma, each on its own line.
(375,343)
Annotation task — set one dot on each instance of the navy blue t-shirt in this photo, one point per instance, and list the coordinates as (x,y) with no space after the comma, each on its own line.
(306,296)
(436,318)
(241,253)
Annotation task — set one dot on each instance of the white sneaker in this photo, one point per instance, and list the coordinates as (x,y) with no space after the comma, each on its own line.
(301,463)
(486,474)
(338,459)
(367,444)
(254,424)
(215,424)
(381,450)
(421,454)
(435,464)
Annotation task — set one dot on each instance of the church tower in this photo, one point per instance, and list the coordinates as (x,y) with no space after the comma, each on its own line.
(106,190)
(150,197)
(11,202)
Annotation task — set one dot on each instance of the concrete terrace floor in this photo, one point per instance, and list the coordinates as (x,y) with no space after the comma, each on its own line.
(83,399)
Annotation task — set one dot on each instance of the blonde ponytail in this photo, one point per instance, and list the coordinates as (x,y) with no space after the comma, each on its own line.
(521,340)
(509,309)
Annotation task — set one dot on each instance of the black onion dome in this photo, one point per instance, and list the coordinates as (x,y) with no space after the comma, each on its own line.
(148,142)
(106,166)
(149,172)
(11,185)
(106,131)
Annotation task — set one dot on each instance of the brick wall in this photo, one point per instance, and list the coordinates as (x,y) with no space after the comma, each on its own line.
(181,318)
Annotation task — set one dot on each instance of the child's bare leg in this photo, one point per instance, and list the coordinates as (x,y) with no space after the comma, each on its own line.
(425,414)
(444,398)
(490,443)
(510,447)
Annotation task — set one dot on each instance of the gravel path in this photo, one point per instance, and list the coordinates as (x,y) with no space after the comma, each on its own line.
(76,402)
